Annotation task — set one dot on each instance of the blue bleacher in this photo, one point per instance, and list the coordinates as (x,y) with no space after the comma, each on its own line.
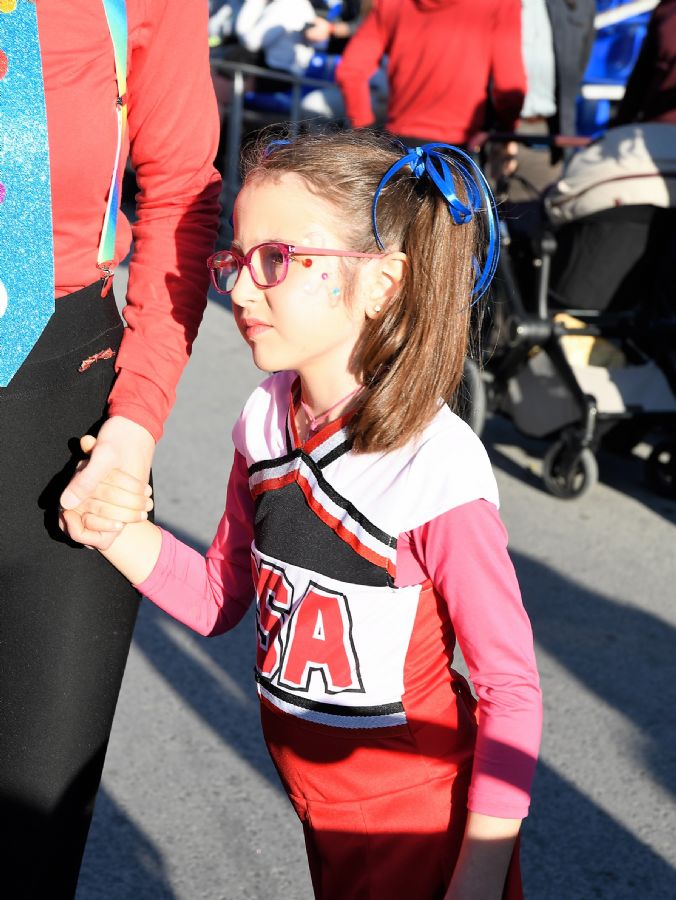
(321,66)
(614,54)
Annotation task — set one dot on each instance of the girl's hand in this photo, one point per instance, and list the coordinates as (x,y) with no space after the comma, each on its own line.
(117,500)
(484,859)
(121,444)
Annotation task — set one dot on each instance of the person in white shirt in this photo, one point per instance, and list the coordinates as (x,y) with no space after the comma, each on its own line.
(276,28)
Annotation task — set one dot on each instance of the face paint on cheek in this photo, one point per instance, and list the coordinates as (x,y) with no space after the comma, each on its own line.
(334,297)
(312,286)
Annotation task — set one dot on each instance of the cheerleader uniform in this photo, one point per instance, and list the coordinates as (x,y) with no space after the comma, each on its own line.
(365,568)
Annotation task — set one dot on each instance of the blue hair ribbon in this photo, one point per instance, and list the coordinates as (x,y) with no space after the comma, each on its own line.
(273,145)
(427,160)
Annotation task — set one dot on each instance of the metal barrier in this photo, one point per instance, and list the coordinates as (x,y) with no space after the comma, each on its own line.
(236,112)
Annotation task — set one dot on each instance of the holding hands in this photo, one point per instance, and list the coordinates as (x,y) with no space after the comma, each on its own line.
(116,500)
(121,445)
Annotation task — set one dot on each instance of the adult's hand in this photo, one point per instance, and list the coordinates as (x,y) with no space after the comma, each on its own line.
(121,444)
(503,161)
(319,31)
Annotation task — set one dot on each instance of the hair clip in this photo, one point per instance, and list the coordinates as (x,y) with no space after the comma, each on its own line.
(273,145)
(440,168)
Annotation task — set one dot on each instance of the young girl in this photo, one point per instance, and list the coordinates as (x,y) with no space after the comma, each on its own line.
(362,515)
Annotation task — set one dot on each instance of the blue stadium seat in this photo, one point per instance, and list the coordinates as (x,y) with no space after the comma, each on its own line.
(613,56)
(322,66)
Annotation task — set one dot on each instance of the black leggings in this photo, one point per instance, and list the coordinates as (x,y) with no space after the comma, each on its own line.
(66,615)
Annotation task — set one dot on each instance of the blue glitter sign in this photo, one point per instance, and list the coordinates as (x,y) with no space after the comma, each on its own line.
(26,239)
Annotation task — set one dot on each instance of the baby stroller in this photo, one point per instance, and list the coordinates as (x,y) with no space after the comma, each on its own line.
(579,348)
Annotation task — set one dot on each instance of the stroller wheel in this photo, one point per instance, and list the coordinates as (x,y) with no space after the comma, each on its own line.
(470,399)
(569,473)
(660,469)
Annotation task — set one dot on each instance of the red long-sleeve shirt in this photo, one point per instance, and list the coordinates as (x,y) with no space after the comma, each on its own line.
(441,55)
(173,135)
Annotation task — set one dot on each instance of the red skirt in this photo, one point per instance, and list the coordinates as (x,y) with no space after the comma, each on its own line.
(382,821)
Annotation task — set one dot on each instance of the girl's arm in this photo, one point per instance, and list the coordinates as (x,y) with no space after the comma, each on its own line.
(209,594)
(136,550)
(484,859)
(464,552)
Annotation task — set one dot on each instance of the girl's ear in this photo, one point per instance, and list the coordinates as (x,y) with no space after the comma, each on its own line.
(387,275)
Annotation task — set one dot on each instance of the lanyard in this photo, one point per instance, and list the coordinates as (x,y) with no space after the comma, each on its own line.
(116,16)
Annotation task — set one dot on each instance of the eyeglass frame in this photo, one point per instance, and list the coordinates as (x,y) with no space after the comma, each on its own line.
(288,251)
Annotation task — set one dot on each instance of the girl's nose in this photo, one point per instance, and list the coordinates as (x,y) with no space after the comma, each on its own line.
(244,291)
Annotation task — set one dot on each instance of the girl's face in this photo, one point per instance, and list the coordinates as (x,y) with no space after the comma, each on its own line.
(305,323)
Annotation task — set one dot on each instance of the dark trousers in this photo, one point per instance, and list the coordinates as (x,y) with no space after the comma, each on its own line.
(66,616)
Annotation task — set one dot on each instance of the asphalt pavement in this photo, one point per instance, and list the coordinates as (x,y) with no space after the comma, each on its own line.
(191,807)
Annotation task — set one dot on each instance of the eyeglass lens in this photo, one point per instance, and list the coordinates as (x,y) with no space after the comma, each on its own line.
(269,264)
(267,267)
(226,273)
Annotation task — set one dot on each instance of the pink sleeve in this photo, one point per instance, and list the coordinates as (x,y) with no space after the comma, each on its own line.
(464,552)
(209,594)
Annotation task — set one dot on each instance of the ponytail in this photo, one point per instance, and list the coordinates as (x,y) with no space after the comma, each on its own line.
(412,355)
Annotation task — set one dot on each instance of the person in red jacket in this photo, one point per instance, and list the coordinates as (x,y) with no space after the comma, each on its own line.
(445,60)
(65,624)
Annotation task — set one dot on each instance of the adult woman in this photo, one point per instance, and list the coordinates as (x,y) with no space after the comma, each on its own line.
(65,625)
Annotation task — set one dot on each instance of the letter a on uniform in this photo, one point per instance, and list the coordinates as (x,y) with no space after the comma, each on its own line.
(320,639)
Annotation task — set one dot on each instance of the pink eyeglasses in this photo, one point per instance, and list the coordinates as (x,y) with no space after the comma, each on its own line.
(267,263)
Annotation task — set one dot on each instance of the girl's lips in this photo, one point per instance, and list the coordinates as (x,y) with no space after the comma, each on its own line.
(253,328)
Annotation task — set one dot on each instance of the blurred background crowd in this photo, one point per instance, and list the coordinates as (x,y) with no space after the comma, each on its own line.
(559,66)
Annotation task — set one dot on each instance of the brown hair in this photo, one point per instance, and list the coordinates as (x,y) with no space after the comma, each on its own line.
(410,357)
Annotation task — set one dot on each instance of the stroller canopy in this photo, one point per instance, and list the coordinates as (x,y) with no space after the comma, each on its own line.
(631,165)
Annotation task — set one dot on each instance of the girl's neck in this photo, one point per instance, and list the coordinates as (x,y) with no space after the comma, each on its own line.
(320,407)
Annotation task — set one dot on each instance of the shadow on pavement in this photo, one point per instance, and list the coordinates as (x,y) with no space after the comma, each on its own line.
(572,850)
(623,472)
(625,656)
(621,653)
(233,717)
(120,862)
